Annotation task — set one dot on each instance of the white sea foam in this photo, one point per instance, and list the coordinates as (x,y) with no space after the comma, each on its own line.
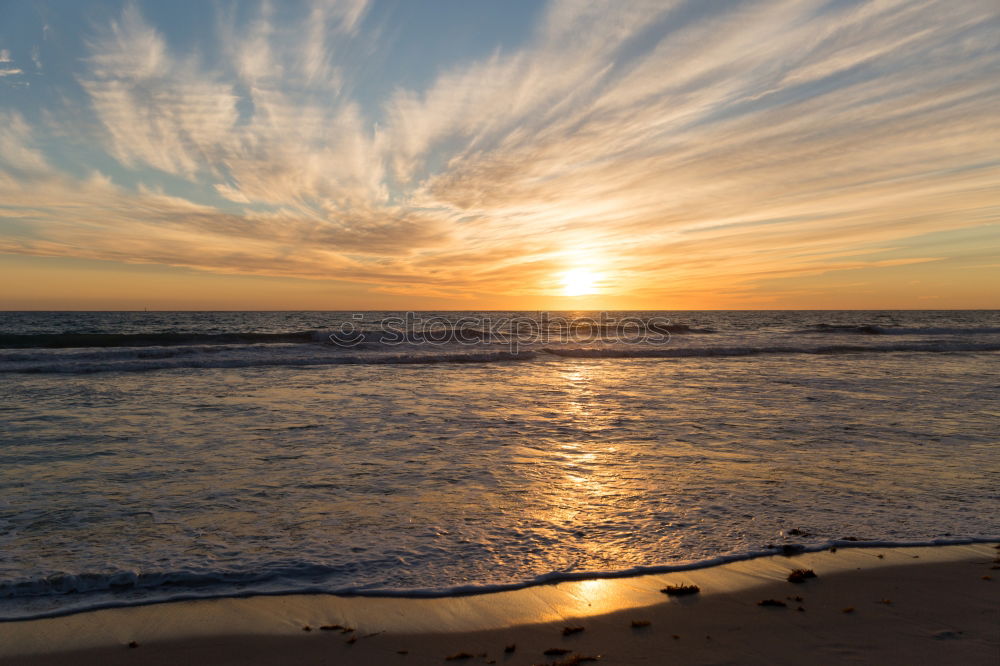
(146,359)
(83,593)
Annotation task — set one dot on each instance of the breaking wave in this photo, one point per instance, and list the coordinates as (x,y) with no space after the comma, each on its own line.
(704,352)
(145,359)
(872,329)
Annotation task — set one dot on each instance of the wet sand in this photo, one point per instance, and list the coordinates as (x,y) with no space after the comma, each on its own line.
(865,605)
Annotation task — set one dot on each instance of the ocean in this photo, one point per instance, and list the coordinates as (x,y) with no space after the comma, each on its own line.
(150,456)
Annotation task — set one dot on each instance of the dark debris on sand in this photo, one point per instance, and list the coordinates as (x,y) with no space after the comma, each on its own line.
(556,652)
(459,656)
(510,648)
(569,631)
(680,590)
(777,603)
(800,575)
(639,624)
(133,644)
(575,659)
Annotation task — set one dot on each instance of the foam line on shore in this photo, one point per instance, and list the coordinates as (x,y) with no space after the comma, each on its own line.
(287,615)
(251,587)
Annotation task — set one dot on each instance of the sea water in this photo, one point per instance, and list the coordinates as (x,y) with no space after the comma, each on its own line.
(172,455)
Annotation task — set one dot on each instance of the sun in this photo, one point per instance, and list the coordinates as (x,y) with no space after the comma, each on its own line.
(579,282)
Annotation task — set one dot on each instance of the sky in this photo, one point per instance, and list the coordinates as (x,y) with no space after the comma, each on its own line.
(337,155)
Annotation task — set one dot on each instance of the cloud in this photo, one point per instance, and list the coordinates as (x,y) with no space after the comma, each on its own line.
(19,156)
(156,110)
(684,146)
(5,69)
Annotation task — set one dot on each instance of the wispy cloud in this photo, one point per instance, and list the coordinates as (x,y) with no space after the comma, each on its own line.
(6,69)
(683,146)
(19,157)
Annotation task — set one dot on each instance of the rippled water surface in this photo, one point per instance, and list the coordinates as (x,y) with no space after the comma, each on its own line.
(123,483)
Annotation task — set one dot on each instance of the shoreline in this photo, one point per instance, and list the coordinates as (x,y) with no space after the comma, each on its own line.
(942,601)
(551,578)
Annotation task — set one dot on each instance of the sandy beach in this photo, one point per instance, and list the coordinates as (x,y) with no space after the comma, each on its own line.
(865,605)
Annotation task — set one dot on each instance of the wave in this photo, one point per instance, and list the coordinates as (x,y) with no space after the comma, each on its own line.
(353,334)
(67,594)
(872,329)
(581,332)
(709,352)
(206,357)
(75,340)
(625,328)
(342,338)
(164,361)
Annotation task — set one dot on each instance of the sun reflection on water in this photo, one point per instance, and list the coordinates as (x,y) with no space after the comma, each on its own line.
(579,491)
